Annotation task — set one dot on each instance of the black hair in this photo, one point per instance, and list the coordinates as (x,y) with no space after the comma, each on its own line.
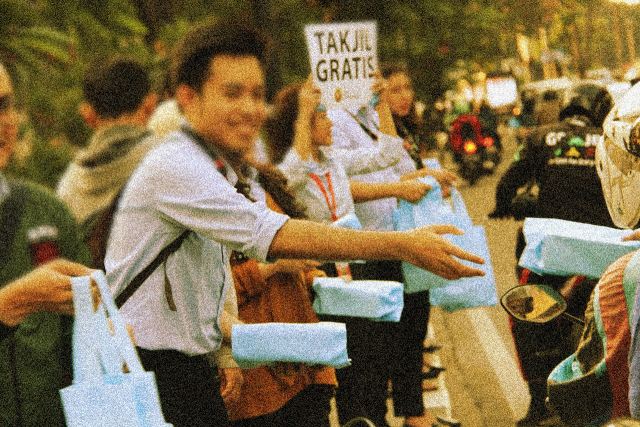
(411,124)
(280,125)
(192,56)
(115,86)
(275,184)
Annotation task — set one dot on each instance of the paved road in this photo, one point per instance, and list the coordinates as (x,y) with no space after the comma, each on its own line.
(482,379)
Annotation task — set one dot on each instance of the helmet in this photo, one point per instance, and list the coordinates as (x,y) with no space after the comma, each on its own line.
(618,160)
(588,99)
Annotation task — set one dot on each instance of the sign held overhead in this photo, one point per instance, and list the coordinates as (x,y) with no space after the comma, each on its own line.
(343,61)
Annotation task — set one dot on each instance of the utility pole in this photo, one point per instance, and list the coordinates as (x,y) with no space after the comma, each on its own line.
(548,67)
(616,25)
(629,28)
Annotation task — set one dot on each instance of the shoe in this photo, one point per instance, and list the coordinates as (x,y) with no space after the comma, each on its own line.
(432,372)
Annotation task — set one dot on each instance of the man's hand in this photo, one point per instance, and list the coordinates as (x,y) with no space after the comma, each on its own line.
(231,381)
(412,191)
(635,235)
(47,288)
(428,250)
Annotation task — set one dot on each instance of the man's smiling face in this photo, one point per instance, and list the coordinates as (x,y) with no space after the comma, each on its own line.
(230,109)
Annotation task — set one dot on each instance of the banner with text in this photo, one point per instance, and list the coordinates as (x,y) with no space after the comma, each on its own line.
(343,61)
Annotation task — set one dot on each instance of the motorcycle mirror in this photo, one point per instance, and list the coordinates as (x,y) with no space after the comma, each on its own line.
(533,303)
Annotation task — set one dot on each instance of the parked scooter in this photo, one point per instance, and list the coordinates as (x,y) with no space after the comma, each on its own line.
(475,149)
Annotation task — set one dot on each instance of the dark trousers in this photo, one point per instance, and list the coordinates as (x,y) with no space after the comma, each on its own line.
(188,386)
(406,341)
(383,351)
(309,408)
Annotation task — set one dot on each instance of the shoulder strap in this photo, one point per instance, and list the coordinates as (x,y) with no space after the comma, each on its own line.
(11,213)
(137,281)
(96,230)
(366,130)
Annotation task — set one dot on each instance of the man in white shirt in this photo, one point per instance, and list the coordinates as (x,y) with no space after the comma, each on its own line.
(185,187)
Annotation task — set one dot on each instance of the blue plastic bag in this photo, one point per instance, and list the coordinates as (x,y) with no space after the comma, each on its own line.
(567,248)
(323,343)
(469,292)
(102,395)
(431,209)
(373,299)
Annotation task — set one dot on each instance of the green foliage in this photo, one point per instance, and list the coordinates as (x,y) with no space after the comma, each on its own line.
(48,45)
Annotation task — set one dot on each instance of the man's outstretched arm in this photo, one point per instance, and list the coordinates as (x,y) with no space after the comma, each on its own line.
(423,247)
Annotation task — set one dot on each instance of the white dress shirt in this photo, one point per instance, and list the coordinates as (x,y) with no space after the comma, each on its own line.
(177,187)
(348,135)
(336,165)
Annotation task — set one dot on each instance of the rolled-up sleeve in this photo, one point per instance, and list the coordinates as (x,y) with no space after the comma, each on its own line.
(199,198)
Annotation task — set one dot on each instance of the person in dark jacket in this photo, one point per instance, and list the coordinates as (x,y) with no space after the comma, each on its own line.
(560,159)
(35,229)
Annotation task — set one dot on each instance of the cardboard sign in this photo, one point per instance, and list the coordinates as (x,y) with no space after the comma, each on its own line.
(343,61)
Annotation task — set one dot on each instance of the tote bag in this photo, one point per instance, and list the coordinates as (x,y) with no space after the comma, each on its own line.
(431,209)
(451,295)
(372,299)
(469,292)
(102,395)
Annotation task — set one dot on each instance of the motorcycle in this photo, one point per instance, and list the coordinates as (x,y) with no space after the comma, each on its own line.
(476,150)
(542,305)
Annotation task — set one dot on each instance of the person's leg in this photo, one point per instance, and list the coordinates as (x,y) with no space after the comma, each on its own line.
(361,388)
(309,408)
(406,363)
(539,348)
(188,387)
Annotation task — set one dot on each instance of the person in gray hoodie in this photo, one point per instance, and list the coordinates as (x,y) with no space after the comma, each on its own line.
(118,103)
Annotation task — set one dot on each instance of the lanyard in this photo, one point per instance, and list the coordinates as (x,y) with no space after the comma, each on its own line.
(331,203)
(211,152)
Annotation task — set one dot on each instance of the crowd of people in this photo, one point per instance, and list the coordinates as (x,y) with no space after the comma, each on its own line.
(218,227)
(216,213)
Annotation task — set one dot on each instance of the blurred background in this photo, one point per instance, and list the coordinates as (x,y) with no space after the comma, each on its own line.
(47,45)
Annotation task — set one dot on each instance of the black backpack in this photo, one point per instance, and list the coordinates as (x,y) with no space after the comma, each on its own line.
(95,231)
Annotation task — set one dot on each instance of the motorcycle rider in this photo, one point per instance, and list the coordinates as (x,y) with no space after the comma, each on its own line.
(560,158)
